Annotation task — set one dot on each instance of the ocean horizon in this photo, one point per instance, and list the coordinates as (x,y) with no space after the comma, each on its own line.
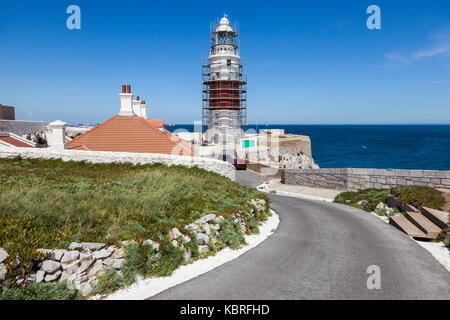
(380,146)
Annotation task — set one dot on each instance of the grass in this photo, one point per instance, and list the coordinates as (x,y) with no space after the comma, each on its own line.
(420,196)
(50,203)
(40,291)
(413,195)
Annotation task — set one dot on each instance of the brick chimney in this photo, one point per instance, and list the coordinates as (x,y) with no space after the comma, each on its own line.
(126,97)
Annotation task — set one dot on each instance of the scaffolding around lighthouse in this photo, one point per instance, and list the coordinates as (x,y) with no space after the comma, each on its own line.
(224,87)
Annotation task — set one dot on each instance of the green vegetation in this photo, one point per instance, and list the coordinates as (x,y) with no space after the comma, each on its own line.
(420,196)
(50,203)
(372,196)
(413,195)
(39,291)
(447,242)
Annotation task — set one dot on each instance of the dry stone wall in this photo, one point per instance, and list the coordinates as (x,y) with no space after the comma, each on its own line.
(356,179)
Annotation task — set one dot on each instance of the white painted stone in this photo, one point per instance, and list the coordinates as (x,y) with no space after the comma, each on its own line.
(176,233)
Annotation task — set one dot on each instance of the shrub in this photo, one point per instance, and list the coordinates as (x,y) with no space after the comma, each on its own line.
(373,197)
(418,196)
(108,282)
(231,233)
(40,291)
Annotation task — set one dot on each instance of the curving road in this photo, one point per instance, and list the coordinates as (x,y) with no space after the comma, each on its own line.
(322,251)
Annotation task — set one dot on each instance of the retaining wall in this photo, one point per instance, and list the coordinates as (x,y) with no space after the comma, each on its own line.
(221,167)
(355,179)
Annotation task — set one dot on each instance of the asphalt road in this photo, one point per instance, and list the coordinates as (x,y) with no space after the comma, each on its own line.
(322,251)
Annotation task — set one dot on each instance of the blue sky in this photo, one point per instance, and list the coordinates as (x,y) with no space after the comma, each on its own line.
(308,61)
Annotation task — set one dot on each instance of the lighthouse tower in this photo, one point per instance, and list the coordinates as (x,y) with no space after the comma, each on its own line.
(224,94)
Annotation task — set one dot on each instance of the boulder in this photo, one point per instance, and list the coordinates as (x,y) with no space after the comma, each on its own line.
(92,246)
(203,249)
(84,266)
(3,255)
(363,203)
(380,206)
(176,233)
(108,261)
(201,238)
(119,253)
(75,246)
(3,272)
(70,256)
(58,254)
(186,239)
(40,276)
(85,288)
(50,266)
(175,243)
(207,218)
(85,256)
(71,267)
(153,244)
(118,263)
(102,254)
(187,255)
(96,269)
(49,277)
(192,227)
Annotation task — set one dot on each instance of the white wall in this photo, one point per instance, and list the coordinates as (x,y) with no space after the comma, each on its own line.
(208,164)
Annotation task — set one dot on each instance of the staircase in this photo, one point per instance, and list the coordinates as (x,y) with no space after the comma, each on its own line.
(425,224)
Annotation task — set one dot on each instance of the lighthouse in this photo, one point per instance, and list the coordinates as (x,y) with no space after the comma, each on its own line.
(224,87)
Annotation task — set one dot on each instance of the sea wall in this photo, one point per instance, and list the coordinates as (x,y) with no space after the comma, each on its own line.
(356,179)
(221,167)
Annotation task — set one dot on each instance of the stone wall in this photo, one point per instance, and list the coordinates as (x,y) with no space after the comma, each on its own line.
(221,167)
(356,179)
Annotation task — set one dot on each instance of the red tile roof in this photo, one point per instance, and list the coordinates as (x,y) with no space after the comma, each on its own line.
(16,142)
(131,134)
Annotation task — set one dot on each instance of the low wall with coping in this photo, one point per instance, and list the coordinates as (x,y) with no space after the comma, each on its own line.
(221,167)
(356,179)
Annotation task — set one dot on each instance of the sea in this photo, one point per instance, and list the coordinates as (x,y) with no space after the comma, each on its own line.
(371,146)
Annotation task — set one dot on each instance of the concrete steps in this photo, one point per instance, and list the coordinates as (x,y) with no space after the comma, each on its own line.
(439,218)
(402,223)
(420,221)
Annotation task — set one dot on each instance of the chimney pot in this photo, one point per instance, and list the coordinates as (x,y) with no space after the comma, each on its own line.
(137,98)
(124,89)
(128,88)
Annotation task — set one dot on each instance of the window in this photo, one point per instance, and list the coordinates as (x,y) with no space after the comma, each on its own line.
(228,62)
